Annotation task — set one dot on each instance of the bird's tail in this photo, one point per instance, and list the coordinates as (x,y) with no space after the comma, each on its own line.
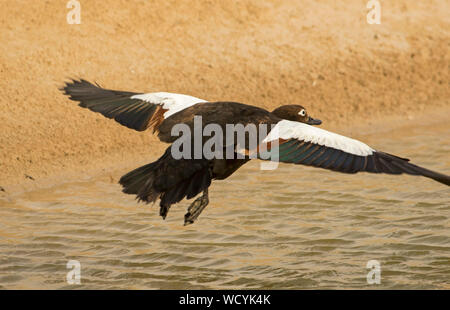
(134,181)
(168,178)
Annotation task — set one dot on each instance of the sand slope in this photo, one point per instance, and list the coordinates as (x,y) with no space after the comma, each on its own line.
(321,54)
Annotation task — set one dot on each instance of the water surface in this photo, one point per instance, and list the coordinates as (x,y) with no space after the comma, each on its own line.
(292,228)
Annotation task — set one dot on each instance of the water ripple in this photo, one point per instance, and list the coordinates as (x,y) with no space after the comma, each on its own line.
(292,228)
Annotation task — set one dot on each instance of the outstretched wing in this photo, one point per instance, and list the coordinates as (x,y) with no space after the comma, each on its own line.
(133,110)
(300,143)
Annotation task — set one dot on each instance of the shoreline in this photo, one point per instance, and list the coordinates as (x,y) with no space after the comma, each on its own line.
(111,165)
(354,76)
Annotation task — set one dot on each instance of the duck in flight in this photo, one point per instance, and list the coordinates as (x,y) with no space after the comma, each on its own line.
(172,180)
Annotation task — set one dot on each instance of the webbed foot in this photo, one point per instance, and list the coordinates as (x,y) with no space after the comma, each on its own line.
(196,208)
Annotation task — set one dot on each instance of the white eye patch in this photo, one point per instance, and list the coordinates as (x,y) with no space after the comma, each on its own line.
(302,112)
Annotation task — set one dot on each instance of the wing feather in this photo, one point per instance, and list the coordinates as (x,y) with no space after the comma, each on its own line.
(303,144)
(133,110)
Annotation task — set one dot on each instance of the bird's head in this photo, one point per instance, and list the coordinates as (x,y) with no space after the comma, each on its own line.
(297,113)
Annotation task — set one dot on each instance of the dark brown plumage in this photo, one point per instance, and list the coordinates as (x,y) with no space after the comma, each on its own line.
(172,180)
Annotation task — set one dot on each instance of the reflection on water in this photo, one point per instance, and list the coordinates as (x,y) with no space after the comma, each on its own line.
(292,228)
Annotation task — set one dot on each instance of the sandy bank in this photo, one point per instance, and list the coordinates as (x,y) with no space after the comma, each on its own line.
(267,53)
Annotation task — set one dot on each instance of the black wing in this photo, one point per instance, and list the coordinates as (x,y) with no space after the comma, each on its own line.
(345,155)
(118,105)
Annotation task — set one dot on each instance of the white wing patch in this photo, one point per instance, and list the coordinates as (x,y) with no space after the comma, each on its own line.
(172,102)
(295,130)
